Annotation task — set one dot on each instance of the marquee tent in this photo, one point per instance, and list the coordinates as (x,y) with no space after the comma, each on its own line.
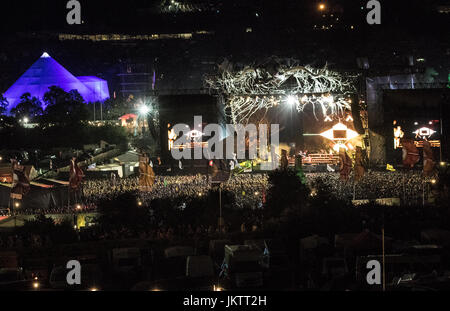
(44,194)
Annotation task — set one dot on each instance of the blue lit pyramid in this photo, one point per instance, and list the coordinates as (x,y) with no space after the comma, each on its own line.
(46,72)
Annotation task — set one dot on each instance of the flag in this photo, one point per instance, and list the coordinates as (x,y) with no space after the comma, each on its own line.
(75,175)
(390,168)
(284,159)
(410,154)
(428,161)
(345,164)
(231,165)
(220,172)
(360,169)
(21,182)
(301,175)
(146,174)
(154,79)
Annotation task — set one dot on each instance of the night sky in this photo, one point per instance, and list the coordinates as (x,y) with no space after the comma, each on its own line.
(143,16)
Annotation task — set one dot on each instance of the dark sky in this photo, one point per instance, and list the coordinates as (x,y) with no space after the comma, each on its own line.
(140,15)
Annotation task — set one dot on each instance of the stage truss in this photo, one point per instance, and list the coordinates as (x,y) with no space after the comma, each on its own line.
(253,89)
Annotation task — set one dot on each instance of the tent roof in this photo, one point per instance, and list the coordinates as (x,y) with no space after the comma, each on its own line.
(46,72)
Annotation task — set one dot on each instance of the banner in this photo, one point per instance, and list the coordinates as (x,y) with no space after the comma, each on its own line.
(220,172)
(345,164)
(75,175)
(390,167)
(360,169)
(146,174)
(21,182)
(410,154)
(428,161)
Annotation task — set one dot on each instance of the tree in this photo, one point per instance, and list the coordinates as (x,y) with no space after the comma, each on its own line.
(115,108)
(27,107)
(3,104)
(123,211)
(286,192)
(62,232)
(64,107)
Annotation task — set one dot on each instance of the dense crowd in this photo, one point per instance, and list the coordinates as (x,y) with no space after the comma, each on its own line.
(249,190)
(407,186)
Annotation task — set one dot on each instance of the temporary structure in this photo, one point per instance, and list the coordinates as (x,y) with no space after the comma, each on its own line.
(46,72)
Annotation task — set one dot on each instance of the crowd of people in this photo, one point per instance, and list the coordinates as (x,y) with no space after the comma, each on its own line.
(248,190)
(405,185)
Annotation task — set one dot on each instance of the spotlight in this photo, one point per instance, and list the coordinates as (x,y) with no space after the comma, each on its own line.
(441,163)
(35,285)
(321,7)
(144,110)
(78,206)
(291,100)
(433,181)
(17,204)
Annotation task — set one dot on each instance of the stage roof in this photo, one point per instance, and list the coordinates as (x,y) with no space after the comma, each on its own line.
(46,72)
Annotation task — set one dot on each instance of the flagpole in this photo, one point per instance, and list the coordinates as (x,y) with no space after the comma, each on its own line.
(15,216)
(384,272)
(423,193)
(404,190)
(220,208)
(354,190)
(9,200)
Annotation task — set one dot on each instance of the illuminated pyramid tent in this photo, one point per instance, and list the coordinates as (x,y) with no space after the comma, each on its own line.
(46,72)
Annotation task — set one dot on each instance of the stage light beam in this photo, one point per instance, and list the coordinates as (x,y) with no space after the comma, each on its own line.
(291,100)
(144,110)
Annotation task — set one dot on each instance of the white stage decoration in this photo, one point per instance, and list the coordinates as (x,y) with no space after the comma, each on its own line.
(254,88)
